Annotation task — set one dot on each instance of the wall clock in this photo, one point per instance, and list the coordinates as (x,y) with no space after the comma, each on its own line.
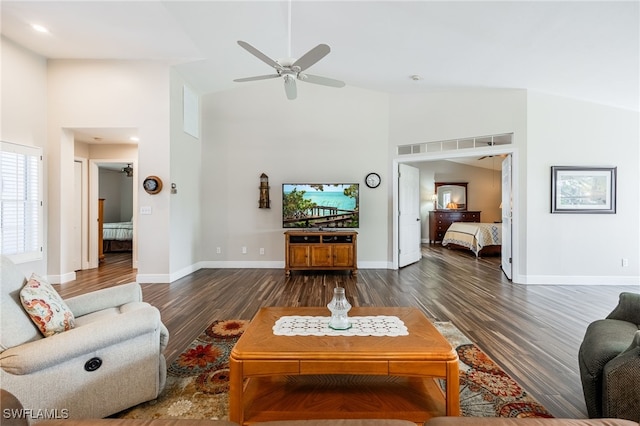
(152,184)
(372,180)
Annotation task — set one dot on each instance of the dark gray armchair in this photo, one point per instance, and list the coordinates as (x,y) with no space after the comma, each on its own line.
(609,360)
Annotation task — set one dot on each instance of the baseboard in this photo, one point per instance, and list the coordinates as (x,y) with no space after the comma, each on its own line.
(231,264)
(375,265)
(61,279)
(575,280)
(228,264)
(222,264)
(153,278)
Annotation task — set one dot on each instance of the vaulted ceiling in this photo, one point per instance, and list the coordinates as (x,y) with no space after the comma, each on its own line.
(586,50)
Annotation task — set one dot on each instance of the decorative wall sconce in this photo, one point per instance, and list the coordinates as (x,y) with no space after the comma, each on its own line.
(264,192)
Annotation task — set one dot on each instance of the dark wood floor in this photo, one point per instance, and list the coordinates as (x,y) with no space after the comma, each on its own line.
(533,331)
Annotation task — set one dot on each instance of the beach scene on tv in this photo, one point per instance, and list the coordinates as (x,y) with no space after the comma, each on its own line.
(320,205)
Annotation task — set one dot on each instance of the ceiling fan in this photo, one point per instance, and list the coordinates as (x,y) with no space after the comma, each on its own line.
(292,69)
(492,156)
(492,143)
(128,171)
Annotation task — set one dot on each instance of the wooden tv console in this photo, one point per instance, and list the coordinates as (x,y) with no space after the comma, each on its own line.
(320,250)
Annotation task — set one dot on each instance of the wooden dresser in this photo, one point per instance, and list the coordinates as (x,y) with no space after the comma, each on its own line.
(440,220)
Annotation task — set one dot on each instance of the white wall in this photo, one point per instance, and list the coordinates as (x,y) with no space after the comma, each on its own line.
(438,116)
(186,173)
(581,248)
(103,94)
(23,112)
(325,135)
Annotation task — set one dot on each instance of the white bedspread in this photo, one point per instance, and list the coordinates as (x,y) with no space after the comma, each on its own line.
(121,231)
(473,235)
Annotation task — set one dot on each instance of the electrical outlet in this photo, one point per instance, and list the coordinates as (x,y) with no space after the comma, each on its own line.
(218,250)
(244,250)
(261,250)
(625,262)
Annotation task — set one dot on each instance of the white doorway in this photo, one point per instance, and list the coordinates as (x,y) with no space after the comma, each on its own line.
(505,205)
(408,215)
(94,195)
(470,157)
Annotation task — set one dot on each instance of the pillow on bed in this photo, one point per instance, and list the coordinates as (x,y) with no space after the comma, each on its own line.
(46,308)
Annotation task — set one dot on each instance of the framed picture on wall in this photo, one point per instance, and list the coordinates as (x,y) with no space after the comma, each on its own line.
(583,189)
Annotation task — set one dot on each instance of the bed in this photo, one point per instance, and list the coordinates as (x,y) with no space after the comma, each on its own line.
(117,236)
(480,238)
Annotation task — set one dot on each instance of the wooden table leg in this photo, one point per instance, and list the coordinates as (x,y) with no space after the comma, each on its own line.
(453,388)
(236,410)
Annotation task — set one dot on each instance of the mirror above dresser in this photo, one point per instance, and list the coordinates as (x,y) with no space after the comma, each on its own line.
(451,196)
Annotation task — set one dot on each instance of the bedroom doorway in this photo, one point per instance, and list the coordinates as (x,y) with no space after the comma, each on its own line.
(109,181)
(437,169)
(95,147)
(115,183)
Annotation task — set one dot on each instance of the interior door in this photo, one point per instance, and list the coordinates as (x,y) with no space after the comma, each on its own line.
(506,217)
(408,215)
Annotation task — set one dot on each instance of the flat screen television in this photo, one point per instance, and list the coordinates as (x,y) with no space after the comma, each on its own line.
(320,205)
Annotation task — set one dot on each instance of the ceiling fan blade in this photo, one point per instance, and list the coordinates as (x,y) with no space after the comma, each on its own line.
(312,56)
(321,80)
(290,87)
(258,54)
(259,77)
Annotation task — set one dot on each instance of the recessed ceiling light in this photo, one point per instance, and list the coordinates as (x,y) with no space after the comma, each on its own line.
(39,28)
(416,77)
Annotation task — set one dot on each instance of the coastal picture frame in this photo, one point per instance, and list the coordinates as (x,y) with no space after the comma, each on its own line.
(577,189)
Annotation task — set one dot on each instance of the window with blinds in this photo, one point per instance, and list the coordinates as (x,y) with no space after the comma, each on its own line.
(21,213)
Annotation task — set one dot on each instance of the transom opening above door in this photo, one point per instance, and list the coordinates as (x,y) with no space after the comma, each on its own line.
(456,144)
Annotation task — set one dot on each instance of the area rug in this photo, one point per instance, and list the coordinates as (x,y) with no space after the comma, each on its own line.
(198,381)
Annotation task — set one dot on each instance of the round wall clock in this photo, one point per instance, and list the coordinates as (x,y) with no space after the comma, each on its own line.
(152,184)
(372,180)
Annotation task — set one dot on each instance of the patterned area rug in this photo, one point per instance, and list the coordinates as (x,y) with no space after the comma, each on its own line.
(197,382)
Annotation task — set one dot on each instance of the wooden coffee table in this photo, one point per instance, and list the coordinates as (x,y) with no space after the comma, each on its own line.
(305,377)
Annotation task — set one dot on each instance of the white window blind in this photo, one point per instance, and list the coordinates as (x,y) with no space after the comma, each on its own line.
(21,202)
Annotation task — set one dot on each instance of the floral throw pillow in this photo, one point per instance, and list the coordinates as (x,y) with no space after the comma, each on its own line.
(45,307)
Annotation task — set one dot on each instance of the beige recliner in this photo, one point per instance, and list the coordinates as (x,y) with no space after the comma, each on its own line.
(111,360)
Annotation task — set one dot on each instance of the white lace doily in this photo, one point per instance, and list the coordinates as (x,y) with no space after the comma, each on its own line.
(305,325)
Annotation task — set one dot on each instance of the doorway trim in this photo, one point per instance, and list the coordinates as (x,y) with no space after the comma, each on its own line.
(84,213)
(427,157)
(94,194)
